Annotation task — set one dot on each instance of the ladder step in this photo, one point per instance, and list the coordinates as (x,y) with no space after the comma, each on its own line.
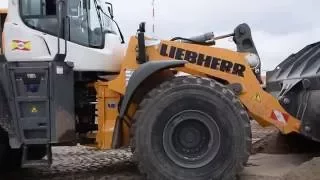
(35,163)
(29,163)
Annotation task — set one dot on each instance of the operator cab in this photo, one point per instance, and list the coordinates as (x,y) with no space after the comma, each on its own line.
(87,24)
(88,27)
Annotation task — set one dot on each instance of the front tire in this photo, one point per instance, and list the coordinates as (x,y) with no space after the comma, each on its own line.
(191,128)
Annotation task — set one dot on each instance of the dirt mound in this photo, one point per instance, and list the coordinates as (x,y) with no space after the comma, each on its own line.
(269,140)
(276,143)
(309,170)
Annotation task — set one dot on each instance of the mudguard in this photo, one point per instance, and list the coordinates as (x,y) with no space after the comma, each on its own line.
(141,74)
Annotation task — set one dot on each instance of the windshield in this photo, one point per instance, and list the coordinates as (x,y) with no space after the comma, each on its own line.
(89,20)
(105,14)
(108,25)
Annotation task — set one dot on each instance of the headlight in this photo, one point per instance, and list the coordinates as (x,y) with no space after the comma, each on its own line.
(253,60)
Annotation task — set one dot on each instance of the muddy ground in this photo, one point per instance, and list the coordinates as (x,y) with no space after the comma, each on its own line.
(70,163)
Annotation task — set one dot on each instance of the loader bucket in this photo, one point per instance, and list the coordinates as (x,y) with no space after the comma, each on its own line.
(296,84)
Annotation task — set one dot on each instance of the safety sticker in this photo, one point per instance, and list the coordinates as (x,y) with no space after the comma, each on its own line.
(34,110)
(112,105)
(279,116)
(21,45)
(257,97)
(59,70)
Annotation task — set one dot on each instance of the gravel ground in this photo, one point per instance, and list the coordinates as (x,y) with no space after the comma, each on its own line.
(259,133)
(87,163)
(82,162)
(309,170)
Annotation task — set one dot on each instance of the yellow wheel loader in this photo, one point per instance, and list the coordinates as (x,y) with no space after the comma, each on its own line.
(67,78)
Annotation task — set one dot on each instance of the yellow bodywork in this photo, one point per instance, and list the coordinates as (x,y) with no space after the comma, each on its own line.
(107,113)
(3,10)
(261,105)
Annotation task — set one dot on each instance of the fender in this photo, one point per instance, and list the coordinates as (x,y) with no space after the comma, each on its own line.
(141,74)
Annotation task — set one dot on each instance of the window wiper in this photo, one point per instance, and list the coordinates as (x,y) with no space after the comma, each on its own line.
(98,12)
(104,13)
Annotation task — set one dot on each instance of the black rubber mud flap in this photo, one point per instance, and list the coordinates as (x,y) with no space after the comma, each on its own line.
(141,74)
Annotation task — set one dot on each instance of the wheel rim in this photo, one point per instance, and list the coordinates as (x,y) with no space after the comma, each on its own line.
(191,139)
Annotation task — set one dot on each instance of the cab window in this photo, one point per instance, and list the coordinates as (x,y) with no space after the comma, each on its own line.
(84,26)
(40,15)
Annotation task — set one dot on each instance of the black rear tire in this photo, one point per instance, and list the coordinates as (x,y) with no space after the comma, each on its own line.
(10,159)
(191,128)
(4,148)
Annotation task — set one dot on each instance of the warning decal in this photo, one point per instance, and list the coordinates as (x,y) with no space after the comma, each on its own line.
(279,116)
(21,45)
(257,97)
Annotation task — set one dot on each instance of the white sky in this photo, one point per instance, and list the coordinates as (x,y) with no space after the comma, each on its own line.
(3,3)
(279,27)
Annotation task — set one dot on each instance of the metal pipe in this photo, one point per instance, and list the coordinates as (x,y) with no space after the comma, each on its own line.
(223,36)
(203,38)
(59,23)
(1,49)
(220,37)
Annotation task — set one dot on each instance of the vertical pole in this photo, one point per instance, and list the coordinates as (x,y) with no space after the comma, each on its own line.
(0,34)
(153,18)
(1,30)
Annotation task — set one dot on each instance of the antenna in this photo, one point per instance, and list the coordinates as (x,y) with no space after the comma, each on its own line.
(153,18)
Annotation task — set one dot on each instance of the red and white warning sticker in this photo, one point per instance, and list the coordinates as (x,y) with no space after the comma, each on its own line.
(279,116)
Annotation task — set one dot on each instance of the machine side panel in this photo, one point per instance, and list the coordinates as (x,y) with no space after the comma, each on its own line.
(41,102)
(62,103)
(24,45)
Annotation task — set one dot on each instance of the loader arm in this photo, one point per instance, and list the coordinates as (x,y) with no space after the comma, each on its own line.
(205,61)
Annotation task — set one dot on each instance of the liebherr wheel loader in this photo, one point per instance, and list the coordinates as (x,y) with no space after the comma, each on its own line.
(66,78)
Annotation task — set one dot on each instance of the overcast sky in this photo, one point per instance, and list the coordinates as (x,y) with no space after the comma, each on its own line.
(3,3)
(279,27)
